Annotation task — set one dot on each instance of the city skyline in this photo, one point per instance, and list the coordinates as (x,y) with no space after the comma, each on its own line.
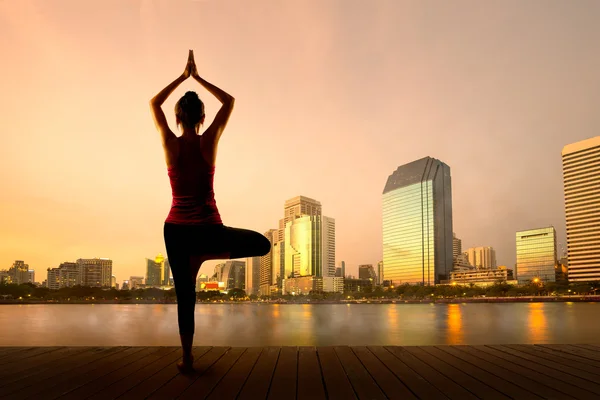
(394,82)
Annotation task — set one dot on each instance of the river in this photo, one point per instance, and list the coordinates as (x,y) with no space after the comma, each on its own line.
(255,324)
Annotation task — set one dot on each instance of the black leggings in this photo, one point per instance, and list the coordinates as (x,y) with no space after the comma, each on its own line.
(186,241)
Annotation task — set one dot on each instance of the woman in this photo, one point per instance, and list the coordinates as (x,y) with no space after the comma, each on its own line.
(193,229)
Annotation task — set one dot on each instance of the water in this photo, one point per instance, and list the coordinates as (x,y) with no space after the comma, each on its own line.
(301,324)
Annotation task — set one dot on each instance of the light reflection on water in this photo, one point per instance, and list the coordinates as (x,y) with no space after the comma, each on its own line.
(301,324)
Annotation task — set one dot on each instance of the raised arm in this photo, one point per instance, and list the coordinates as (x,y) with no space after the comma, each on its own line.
(212,135)
(157,101)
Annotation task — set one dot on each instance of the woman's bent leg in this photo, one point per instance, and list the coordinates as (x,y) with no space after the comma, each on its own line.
(241,243)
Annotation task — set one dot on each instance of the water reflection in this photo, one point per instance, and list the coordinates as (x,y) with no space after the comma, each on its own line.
(295,325)
(538,325)
(455,327)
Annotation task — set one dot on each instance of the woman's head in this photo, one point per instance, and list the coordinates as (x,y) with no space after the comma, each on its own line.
(189,110)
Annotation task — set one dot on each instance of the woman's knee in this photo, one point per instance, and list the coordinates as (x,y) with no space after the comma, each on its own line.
(263,246)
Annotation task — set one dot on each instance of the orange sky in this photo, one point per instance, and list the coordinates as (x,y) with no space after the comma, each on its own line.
(331,96)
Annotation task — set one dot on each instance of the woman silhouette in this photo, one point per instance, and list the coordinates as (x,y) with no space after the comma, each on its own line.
(193,229)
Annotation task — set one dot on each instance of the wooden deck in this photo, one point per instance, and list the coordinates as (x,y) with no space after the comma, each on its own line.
(431,372)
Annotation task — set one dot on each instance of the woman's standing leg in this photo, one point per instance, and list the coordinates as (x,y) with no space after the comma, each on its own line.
(180,260)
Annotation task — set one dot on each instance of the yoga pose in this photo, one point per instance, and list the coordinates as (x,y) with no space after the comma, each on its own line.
(193,229)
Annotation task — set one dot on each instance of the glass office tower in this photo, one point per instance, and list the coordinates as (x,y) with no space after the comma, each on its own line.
(536,255)
(417,223)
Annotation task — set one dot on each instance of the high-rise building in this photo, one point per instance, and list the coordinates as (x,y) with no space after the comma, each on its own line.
(232,273)
(66,275)
(19,272)
(328,245)
(366,271)
(94,272)
(417,223)
(252,275)
(343,267)
(136,281)
(297,207)
(5,277)
(267,265)
(456,246)
(155,271)
(303,251)
(166,279)
(31,276)
(380,273)
(581,179)
(482,257)
(113,282)
(338,272)
(536,255)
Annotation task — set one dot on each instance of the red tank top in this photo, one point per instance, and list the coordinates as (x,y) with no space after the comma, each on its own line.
(192,185)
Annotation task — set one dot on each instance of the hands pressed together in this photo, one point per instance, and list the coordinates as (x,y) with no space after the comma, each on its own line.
(190,68)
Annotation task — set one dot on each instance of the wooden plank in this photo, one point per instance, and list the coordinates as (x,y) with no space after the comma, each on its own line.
(283,384)
(19,358)
(122,386)
(45,378)
(337,385)
(391,386)
(563,359)
(360,379)
(232,383)
(415,382)
(488,373)
(118,372)
(503,369)
(34,363)
(204,385)
(84,374)
(171,378)
(310,380)
(537,373)
(479,389)
(576,350)
(581,379)
(591,347)
(258,383)
(7,351)
(570,356)
(440,381)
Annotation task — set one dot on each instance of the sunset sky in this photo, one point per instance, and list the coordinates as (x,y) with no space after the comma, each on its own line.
(331,97)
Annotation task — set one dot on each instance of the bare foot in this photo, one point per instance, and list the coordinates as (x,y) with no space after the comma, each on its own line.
(186,365)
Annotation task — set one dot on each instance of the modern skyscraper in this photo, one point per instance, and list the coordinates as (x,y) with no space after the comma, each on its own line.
(266,265)
(482,257)
(417,223)
(536,255)
(456,246)
(380,274)
(366,271)
(343,267)
(303,247)
(297,207)
(252,275)
(328,245)
(166,279)
(581,179)
(66,275)
(94,272)
(156,271)
(232,273)
(19,272)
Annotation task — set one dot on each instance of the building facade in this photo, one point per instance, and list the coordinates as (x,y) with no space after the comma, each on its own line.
(252,275)
(456,246)
(157,271)
(366,271)
(482,257)
(232,273)
(266,265)
(417,223)
(581,180)
(94,272)
(536,255)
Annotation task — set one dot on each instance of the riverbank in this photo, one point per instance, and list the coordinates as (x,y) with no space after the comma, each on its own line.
(518,299)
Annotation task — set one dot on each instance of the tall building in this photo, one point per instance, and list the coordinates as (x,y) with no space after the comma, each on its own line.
(536,255)
(136,281)
(303,251)
(417,223)
(232,273)
(252,275)
(166,279)
(155,271)
(482,257)
(380,273)
(19,272)
(581,179)
(267,265)
(456,246)
(94,272)
(343,268)
(297,207)
(66,275)
(366,271)
(328,245)
(113,282)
